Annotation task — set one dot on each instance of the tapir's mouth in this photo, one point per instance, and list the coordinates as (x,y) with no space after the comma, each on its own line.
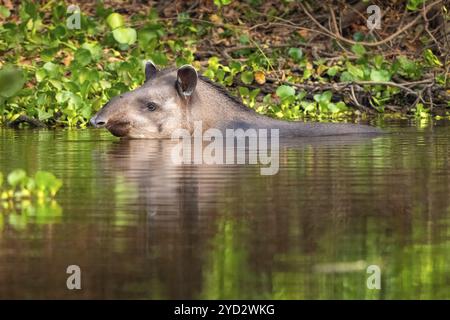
(119,129)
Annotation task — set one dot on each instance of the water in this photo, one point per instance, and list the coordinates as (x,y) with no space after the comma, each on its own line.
(140,227)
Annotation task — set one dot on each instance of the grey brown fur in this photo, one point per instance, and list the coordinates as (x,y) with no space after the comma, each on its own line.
(173,99)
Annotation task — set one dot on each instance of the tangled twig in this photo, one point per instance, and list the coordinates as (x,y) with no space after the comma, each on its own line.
(337,36)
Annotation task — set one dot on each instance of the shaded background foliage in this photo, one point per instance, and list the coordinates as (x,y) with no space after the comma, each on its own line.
(289,59)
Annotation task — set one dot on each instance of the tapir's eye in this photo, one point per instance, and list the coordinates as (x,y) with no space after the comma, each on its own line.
(151,106)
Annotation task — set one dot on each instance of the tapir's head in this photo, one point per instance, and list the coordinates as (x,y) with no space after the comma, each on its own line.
(155,109)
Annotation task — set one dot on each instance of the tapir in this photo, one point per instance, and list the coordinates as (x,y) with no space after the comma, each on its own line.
(172,99)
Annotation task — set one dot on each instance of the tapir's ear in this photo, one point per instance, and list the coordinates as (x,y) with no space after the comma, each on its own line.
(150,70)
(186,80)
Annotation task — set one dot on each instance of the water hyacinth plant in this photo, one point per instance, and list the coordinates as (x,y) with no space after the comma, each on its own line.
(19,186)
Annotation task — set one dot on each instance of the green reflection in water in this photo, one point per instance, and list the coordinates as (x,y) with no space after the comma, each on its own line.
(384,203)
(19,215)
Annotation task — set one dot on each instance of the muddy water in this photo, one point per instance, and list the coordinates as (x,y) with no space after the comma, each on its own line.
(140,226)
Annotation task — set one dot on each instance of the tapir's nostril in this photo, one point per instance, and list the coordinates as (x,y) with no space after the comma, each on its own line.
(98,123)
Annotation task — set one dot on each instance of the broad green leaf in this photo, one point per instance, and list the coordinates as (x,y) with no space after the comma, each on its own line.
(115,21)
(44,115)
(16,177)
(358,36)
(83,57)
(358,49)
(247,77)
(296,54)
(4,12)
(125,35)
(380,75)
(378,61)
(413,5)
(243,91)
(346,77)
(324,97)
(285,91)
(43,179)
(11,81)
(431,58)
(159,58)
(341,106)
(333,71)
(327,95)
(94,49)
(355,71)
(209,74)
(40,75)
(407,67)
(51,68)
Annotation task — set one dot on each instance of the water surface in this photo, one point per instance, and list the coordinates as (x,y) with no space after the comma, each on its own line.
(141,227)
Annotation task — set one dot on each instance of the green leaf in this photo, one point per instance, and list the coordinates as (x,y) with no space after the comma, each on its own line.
(243,91)
(254,93)
(431,59)
(413,5)
(247,77)
(43,179)
(285,91)
(4,12)
(209,74)
(308,106)
(44,115)
(94,49)
(46,181)
(11,81)
(378,61)
(380,75)
(346,77)
(159,58)
(16,177)
(333,71)
(40,75)
(220,75)
(59,32)
(358,49)
(125,35)
(341,106)
(407,67)
(307,73)
(83,57)
(115,21)
(358,36)
(244,39)
(325,97)
(51,68)
(221,3)
(355,71)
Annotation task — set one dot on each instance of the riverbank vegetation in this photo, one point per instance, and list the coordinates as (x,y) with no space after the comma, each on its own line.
(288,59)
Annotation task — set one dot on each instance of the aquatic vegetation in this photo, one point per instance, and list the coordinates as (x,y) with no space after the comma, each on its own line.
(19,186)
(25,199)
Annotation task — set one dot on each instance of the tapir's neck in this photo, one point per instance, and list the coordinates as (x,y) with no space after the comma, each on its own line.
(215,108)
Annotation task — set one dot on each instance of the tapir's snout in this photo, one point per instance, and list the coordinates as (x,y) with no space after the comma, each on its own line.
(98,121)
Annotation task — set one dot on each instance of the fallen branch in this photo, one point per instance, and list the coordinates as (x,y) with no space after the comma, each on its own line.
(370,44)
(341,85)
(26,119)
(348,90)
